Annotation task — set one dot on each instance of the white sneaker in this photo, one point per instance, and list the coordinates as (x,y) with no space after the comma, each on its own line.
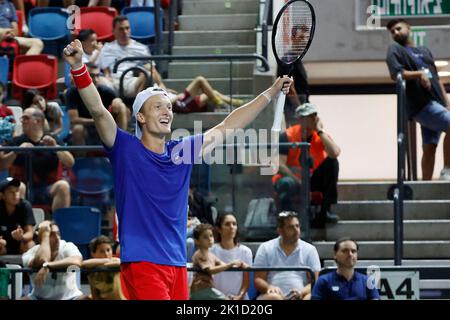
(445,174)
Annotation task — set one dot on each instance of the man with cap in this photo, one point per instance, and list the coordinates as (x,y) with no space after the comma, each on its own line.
(16,219)
(325,167)
(151,180)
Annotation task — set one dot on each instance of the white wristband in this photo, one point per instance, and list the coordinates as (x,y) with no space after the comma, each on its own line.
(268,97)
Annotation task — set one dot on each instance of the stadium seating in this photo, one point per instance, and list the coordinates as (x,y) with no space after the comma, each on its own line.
(50,25)
(25,71)
(93,183)
(100,20)
(142,22)
(79,225)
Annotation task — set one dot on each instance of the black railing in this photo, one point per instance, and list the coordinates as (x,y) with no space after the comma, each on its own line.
(304,209)
(226,57)
(399,191)
(117,269)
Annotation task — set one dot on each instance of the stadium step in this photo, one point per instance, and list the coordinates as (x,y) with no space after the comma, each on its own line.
(422,190)
(213,49)
(213,69)
(218,22)
(384,209)
(222,6)
(216,37)
(379,230)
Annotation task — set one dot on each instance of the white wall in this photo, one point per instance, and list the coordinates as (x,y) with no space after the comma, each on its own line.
(365,127)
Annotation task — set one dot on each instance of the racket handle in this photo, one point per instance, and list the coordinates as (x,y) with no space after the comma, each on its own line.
(279,111)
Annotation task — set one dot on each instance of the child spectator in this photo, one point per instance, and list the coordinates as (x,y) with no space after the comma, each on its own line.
(105,285)
(202,287)
(16,219)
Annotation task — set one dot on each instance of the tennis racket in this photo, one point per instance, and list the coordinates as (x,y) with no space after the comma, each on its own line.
(292,34)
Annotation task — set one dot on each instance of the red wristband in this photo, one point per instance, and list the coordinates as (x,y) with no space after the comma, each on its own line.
(81,77)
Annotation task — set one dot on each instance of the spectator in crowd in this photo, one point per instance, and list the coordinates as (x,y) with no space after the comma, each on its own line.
(288,250)
(235,284)
(46,166)
(9,30)
(53,253)
(7,120)
(199,206)
(325,166)
(16,219)
(91,46)
(202,287)
(92,49)
(20,5)
(52,111)
(83,128)
(345,283)
(299,93)
(121,48)
(198,95)
(99,3)
(105,285)
(426,98)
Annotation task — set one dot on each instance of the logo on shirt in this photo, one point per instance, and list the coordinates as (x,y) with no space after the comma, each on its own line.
(335,288)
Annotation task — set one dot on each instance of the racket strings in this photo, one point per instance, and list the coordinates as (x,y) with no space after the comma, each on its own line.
(293,31)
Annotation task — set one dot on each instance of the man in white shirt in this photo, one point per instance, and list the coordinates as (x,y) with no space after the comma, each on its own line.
(124,47)
(53,253)
(288,250)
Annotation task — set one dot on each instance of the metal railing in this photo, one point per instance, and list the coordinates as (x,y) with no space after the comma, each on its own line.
(117,269)
(399,191)
(226,57)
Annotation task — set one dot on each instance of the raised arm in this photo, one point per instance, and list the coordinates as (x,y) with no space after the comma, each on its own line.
(104,122)
(243,116)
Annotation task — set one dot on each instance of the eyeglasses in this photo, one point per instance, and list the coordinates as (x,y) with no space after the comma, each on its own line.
(287,214)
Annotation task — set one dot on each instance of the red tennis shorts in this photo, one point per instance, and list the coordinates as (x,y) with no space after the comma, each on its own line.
(149,281)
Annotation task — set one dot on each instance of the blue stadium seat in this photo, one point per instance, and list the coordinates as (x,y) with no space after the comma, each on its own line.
(4,69)
(50,25)
(142,22)
(79,225)
(94,181)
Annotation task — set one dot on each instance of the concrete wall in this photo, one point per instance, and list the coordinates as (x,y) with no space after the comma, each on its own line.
(365,127)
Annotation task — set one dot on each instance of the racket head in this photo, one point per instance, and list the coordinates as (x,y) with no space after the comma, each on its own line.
(293,31)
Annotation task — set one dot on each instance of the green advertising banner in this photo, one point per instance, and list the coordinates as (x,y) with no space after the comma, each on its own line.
(412,7)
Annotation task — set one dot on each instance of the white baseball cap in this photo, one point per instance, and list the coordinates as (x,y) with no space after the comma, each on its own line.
(141,97)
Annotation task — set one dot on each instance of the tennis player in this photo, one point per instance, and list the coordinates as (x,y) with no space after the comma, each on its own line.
(151,184)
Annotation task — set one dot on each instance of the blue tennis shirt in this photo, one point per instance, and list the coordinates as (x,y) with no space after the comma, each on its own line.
(151,193)
(332,286)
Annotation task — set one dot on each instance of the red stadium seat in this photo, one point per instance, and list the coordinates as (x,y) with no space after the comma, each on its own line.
(100,20)
(35,72)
